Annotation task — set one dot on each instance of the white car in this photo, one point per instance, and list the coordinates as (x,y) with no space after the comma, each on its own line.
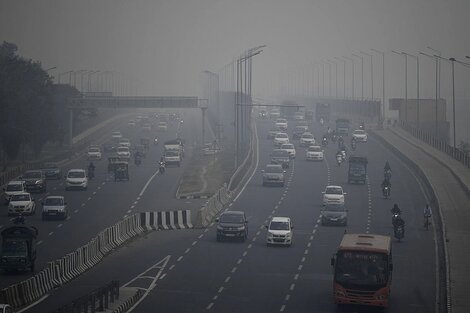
(290,149)
(147,127)
(333,194)
(280,231)
(116,135)
(131,123)
(314,153)
(94,153)
(360,135)
(307,139)
(21,203)
(124,142)
(299,116)
(280,139)
(76,179)
(123,151)
(274,113)
(281,123)
(14,187)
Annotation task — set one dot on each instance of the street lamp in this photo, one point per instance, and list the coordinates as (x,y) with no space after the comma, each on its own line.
(371,73)
(329,77)
(383,80)
(344,75)
(437,88)
(406,84)
(438,53)
(362,73)
(417,84)
(352,80)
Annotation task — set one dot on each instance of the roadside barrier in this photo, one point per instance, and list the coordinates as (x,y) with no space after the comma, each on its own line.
(212,207)
(63,270)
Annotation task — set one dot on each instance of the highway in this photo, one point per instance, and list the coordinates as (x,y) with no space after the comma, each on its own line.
(197,274)
(106,201)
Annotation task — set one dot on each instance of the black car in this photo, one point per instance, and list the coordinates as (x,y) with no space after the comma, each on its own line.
(35,181)
(51,170)
(279,156)
(232,224)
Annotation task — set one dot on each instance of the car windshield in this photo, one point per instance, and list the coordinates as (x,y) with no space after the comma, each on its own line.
(281,136)
(76,174)
(334,207)
(299,129)
(54,201)
(14,187)
(171,153)
(123,149)
(116,134)
(279,226)
(314,149)
(50,165)
(358,268)
(23,197)
(359,132)
(162,124)
(281,120)
(307,136)
(334,190)
(280,153)
(32,175)
(358,168)
(232,218)
(274,169)
(94,150)
(14,247)
(287,146)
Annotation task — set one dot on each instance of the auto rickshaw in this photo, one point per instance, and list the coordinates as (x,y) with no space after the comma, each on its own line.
(112,161)
(121,171)
(145,142)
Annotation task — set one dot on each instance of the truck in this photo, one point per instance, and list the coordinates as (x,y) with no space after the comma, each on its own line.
(18,251)
(342,126)
(357,171)
(173,152)
(322,111)
(288,109)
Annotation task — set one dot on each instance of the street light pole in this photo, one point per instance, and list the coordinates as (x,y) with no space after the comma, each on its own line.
(437,90)
(371,74)
(417,85)
(362,74)
(344,76)
(453,97)
(383,81)
(406,84)
(352,80)
(336,77)
(439,54)
(89,79)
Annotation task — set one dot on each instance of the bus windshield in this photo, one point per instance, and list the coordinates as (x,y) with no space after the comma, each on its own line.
(361,269)
(15,247)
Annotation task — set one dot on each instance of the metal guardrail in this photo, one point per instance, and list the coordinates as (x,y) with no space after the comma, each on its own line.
(96,301)
(441,145)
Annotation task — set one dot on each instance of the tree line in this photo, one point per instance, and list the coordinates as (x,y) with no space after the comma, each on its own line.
(32,109)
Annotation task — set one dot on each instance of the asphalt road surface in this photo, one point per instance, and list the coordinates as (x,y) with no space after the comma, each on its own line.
(197,274)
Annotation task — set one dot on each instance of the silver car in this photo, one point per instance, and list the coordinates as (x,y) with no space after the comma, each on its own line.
(54,206)
(273,175)
(334,214)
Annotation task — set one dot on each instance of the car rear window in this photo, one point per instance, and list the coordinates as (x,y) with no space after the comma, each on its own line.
(54,201)
(232,218)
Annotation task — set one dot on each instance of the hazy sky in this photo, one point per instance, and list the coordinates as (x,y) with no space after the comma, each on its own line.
(166,44)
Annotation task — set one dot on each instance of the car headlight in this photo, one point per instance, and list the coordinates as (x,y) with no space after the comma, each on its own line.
(241,228)
(270,235)
(289,235)
(219,227)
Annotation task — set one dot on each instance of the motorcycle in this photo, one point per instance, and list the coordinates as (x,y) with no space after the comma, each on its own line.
(386,192)
(161,169)
(324,142)
(155,141)
(91,173)
(388,174)
(333,138)
(321,122)
(339,159)
(399,232)
(427,222)
(394,218)
(19,220)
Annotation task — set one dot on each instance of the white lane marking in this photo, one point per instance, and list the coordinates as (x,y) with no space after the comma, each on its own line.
(300,267)
(83,204)
(200,236)
(59,226)
(239,261)
(227,279)
(249,246)
(215,297)
(296,276)
(283,307)
(244,253)
(94,192)
(51,233)
(163,276)
(179,259)
(287,298)
(39,242)
(187,250)
(148,183)
(171,267)
(76,211)
(234,269)
(129,211)
(220,289)
(210,306)
(89,198)
(194,243)
(292,286)
(258,232)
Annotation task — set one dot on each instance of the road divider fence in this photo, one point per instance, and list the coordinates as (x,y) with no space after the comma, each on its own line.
(213,206)
(61,271)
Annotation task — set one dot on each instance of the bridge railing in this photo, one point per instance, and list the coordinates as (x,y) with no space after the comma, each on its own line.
(439,144)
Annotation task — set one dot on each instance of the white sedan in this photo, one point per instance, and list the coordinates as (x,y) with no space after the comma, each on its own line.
(307,139)
(123,151)
(360,135)
(281,123)
(314,153)
(94,153)
(280,139)
(289,148)
(333,194)
(21,203)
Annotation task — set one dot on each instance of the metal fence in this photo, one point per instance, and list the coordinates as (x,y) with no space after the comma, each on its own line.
(441,145)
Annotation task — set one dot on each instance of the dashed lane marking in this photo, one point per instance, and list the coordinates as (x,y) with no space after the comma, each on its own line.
(187,250)
(59,226)
(227,279)
(129,211)
(179,258)
(76,211)
(194,243)
(39,242)
(51,233)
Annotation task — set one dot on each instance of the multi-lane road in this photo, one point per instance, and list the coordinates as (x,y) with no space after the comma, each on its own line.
(194,273)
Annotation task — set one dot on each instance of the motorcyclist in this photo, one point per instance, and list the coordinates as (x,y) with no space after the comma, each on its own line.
(395,209)
(19,219)
(340,140)
(387,167)
(155,141)
(91,170)
(321,121)
(138,157)
(386,183)
(324,140)
(427,213)
(339,157)
(398,222)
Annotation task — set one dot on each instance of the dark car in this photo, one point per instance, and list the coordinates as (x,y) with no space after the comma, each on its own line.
(35,181)
(282,157)
(51,170)
(232,224)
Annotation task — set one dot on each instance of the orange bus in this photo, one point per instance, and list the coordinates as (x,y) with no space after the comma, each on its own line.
(363,270)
